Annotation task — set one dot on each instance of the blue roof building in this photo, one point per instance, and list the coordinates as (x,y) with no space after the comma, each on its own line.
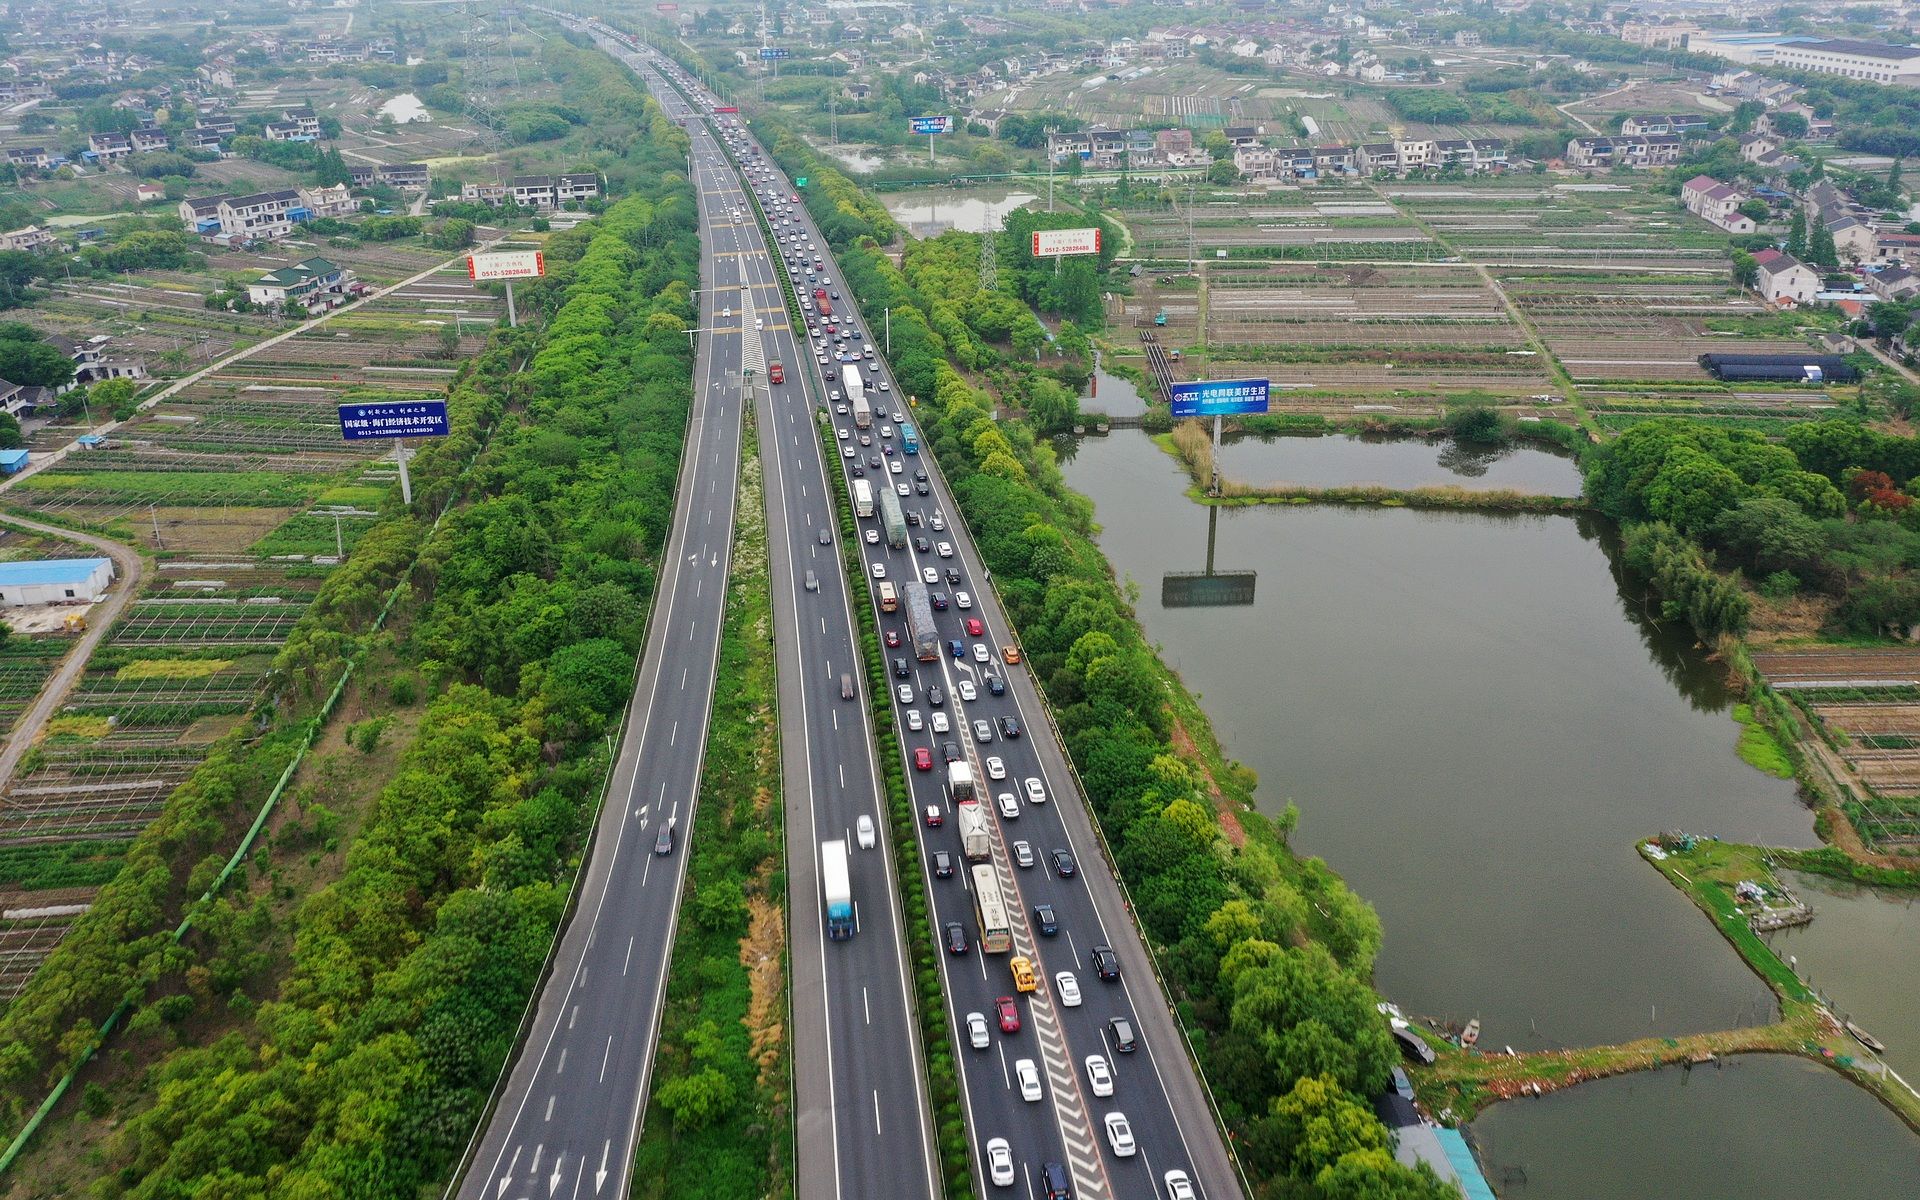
(54,581)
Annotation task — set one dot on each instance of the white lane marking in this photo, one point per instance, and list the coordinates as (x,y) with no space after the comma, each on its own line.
(604,1057)
(559,1069)
(629,962)
(550,1100)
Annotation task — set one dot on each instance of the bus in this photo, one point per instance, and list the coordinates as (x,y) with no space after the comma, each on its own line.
(909,440)
(862,498)
(991,911)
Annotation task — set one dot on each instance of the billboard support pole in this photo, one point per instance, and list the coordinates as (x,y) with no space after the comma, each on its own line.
(1213,483)
(406,484)
(513,319)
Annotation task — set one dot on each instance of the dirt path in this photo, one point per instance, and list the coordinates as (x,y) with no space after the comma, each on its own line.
(1565,110)
(129,566)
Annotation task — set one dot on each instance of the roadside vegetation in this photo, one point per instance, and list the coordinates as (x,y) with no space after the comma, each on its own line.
(719,1120)
(350,1045)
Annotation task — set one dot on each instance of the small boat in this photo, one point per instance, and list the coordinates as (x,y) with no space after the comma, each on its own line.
(1866,1039)
(1471,1033)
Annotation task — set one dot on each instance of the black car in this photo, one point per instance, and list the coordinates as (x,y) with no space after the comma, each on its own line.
(922,545)
(939,600)
(951,750)
(923,489)
(900,668)
(953,575)
(1009,727)
(942,865)
(956,938)
(826,539)
(996,685)
(913,517)
(873,460)
(1121,1031)
(921,474)
(1044,922)
(1106,964)
(859,472)
(936,696)
(1063,864)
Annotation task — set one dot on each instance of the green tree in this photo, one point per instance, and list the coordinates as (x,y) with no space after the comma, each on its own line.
(1746,271)
(34,364)
(1222,171)
(1820,248)
(1797,234)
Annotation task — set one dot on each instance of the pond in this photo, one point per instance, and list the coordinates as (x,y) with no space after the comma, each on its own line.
(1342,460)
(404,108)
(1863,951)
(929,212)
(1755,1127)
(1477,727)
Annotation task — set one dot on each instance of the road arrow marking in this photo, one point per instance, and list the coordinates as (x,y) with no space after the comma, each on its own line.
(553,1180)
(600,1176)
(506,1179)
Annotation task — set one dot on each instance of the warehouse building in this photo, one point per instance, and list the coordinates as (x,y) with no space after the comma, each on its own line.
(1780,368)
(55,581)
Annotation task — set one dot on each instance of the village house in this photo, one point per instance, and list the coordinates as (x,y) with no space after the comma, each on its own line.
(32,237)
(1784,280)
(1894,284)
(108,147)
(1675,123)
(313,283)
(149,139)
(1892,245)
(1639,153)
(28,156)
(1716,203)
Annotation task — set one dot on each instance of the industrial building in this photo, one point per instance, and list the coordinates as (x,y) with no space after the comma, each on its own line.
(54,581)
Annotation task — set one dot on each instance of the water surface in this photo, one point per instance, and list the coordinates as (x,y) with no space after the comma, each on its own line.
(929,212)
(1345,460)
(1477,730)
(1863,951)
(1755,1127)
(404,108)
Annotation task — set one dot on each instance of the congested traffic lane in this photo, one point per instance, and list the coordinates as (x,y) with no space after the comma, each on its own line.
(1140,1093)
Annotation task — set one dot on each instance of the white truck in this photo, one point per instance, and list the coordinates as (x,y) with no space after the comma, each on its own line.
(838,887)
(855,386)
(960,782)
(976,842)
(862,498)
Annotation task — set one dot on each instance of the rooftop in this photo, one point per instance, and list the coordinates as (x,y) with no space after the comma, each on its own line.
(50,570)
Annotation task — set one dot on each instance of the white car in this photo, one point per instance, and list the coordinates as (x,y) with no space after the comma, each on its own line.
(931,575)
(914,722)
(962,601)
(1099,1076)
(940,724)
(977,1036)
(873,537)
(1022,854)
(879,570)
(1029,1078)
(1009,807)
(1120,1136)
(905,693)
(886,431)
(939,522)
(893,465)
(995,768)
(1067,988)
(980,652)
(967,690)
(944,549)
(902,488)
(1179,1187)
(1000,1162)
(885,386)
(842,433)
(1035,793)
(863,829)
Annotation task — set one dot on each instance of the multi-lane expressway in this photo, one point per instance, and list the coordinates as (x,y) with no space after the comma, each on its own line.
(567,1113)
(1155,1086)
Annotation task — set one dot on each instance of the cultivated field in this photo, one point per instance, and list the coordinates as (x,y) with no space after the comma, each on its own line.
(1869,702)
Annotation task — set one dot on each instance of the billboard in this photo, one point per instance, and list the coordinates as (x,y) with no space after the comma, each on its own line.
(507,264)
(926,125)
(393,419)
(1050,242)
(1219,397)
(1207,589)
(772,52)
(725,108)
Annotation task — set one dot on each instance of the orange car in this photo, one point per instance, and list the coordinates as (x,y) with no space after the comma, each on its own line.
(1011,654)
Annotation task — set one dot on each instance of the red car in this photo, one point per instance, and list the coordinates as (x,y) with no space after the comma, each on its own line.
(1009,1014)
(893,639)
(975,628)
(922,759)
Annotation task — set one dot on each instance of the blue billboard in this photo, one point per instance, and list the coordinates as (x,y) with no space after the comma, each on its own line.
(1219,397)
(393,419)
(926,125)
(768,53)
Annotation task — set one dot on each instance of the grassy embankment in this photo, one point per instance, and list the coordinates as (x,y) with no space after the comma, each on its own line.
(1466,1082)
(719,1122)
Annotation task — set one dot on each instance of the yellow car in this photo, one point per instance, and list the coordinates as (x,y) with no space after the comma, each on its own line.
(1023,977)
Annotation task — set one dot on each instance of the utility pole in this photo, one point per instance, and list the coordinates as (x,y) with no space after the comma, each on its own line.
(1051,130)
(833,118)
(1193,249)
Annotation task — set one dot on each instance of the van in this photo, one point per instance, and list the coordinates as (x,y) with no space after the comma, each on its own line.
(1023,977)
(846,686)
(1056,1181)
(889,597)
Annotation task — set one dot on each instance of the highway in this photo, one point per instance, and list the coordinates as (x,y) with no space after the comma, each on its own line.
(568,1112)
(1155,1086)
(863,1127)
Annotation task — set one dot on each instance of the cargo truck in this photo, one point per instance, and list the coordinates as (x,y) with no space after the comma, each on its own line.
(838,888)
(975,840)
(892,518)
(776,373)
(856,389)
(926,639)
(825,304)
(862,498)
(960,782)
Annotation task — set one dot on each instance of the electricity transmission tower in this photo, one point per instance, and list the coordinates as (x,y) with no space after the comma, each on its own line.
(481,80)
(989,269)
